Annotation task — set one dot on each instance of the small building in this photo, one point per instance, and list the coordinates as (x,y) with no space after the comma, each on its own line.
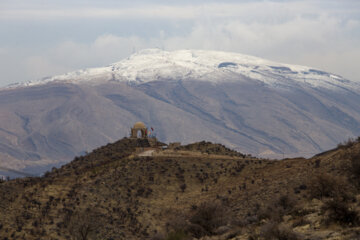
(139,126)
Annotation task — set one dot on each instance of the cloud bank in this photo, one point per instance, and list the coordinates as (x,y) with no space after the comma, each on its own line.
(322,34)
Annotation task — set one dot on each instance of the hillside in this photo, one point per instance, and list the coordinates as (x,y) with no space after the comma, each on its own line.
(253,105)
(190,191)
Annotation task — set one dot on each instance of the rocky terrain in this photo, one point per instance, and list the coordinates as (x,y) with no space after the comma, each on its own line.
(252,105)
(198,191)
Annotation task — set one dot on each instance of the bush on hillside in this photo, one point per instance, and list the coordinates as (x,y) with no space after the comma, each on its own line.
(276,209)
(203,220)
(349,143)
(339,211)
(209,216)
(177,223)
(327,185)
(355,164)
(276,231)
(83,224)
(177,235)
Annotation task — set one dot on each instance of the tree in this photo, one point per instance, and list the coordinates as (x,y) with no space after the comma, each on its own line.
(183,187)
(83,224)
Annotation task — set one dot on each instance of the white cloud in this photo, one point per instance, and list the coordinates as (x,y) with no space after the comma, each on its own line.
(37,67)
(272,11)
(316,33)
(66,56)
(102,51)
(152,12)
(319,42)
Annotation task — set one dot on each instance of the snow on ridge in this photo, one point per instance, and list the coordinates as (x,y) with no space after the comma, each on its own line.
(154,64)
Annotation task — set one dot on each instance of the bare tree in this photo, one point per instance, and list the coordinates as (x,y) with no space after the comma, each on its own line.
(83,224)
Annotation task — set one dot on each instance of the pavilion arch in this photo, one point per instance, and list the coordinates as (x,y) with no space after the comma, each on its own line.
(139,126)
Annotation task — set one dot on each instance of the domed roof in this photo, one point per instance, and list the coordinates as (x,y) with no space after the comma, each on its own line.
(139,125)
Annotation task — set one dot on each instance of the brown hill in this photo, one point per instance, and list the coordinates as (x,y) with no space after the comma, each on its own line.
(200,191)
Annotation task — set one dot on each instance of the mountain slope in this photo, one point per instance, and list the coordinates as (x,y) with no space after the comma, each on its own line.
(112,193)
(250,104)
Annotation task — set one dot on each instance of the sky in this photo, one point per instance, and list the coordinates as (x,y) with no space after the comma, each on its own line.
(41,38)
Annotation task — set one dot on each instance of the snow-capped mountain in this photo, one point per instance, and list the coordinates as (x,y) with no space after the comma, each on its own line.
(254,105)
(154,64)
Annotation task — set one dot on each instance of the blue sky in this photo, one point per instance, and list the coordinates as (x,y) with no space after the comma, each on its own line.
(43,38)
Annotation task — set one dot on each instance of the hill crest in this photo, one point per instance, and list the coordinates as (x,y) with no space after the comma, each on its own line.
(116,194)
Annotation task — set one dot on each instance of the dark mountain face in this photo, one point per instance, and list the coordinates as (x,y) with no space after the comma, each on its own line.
(49,124)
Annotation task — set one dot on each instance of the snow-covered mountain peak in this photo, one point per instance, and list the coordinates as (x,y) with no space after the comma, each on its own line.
(214,66)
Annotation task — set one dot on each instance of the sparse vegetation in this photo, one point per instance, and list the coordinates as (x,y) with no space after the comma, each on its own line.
(349,143)
(202,220)
(112,193)
(276,209)
(355,164)
(208,217)
(339,211)
(276,231)
(183,187)
(177,235)
(83,225)
(327,185)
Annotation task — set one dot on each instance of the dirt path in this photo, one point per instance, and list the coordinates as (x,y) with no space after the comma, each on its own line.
(147,153)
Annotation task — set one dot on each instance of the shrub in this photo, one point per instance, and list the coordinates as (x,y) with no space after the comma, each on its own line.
(177,235)
(339,211)
(327,185)
(83,224)
(355,164)
(276,209)
(196,230)
(158,236)
(275,231)
(177,223)
(286,202)
(203,220)
(208,217)
(348,143)
(183,187)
